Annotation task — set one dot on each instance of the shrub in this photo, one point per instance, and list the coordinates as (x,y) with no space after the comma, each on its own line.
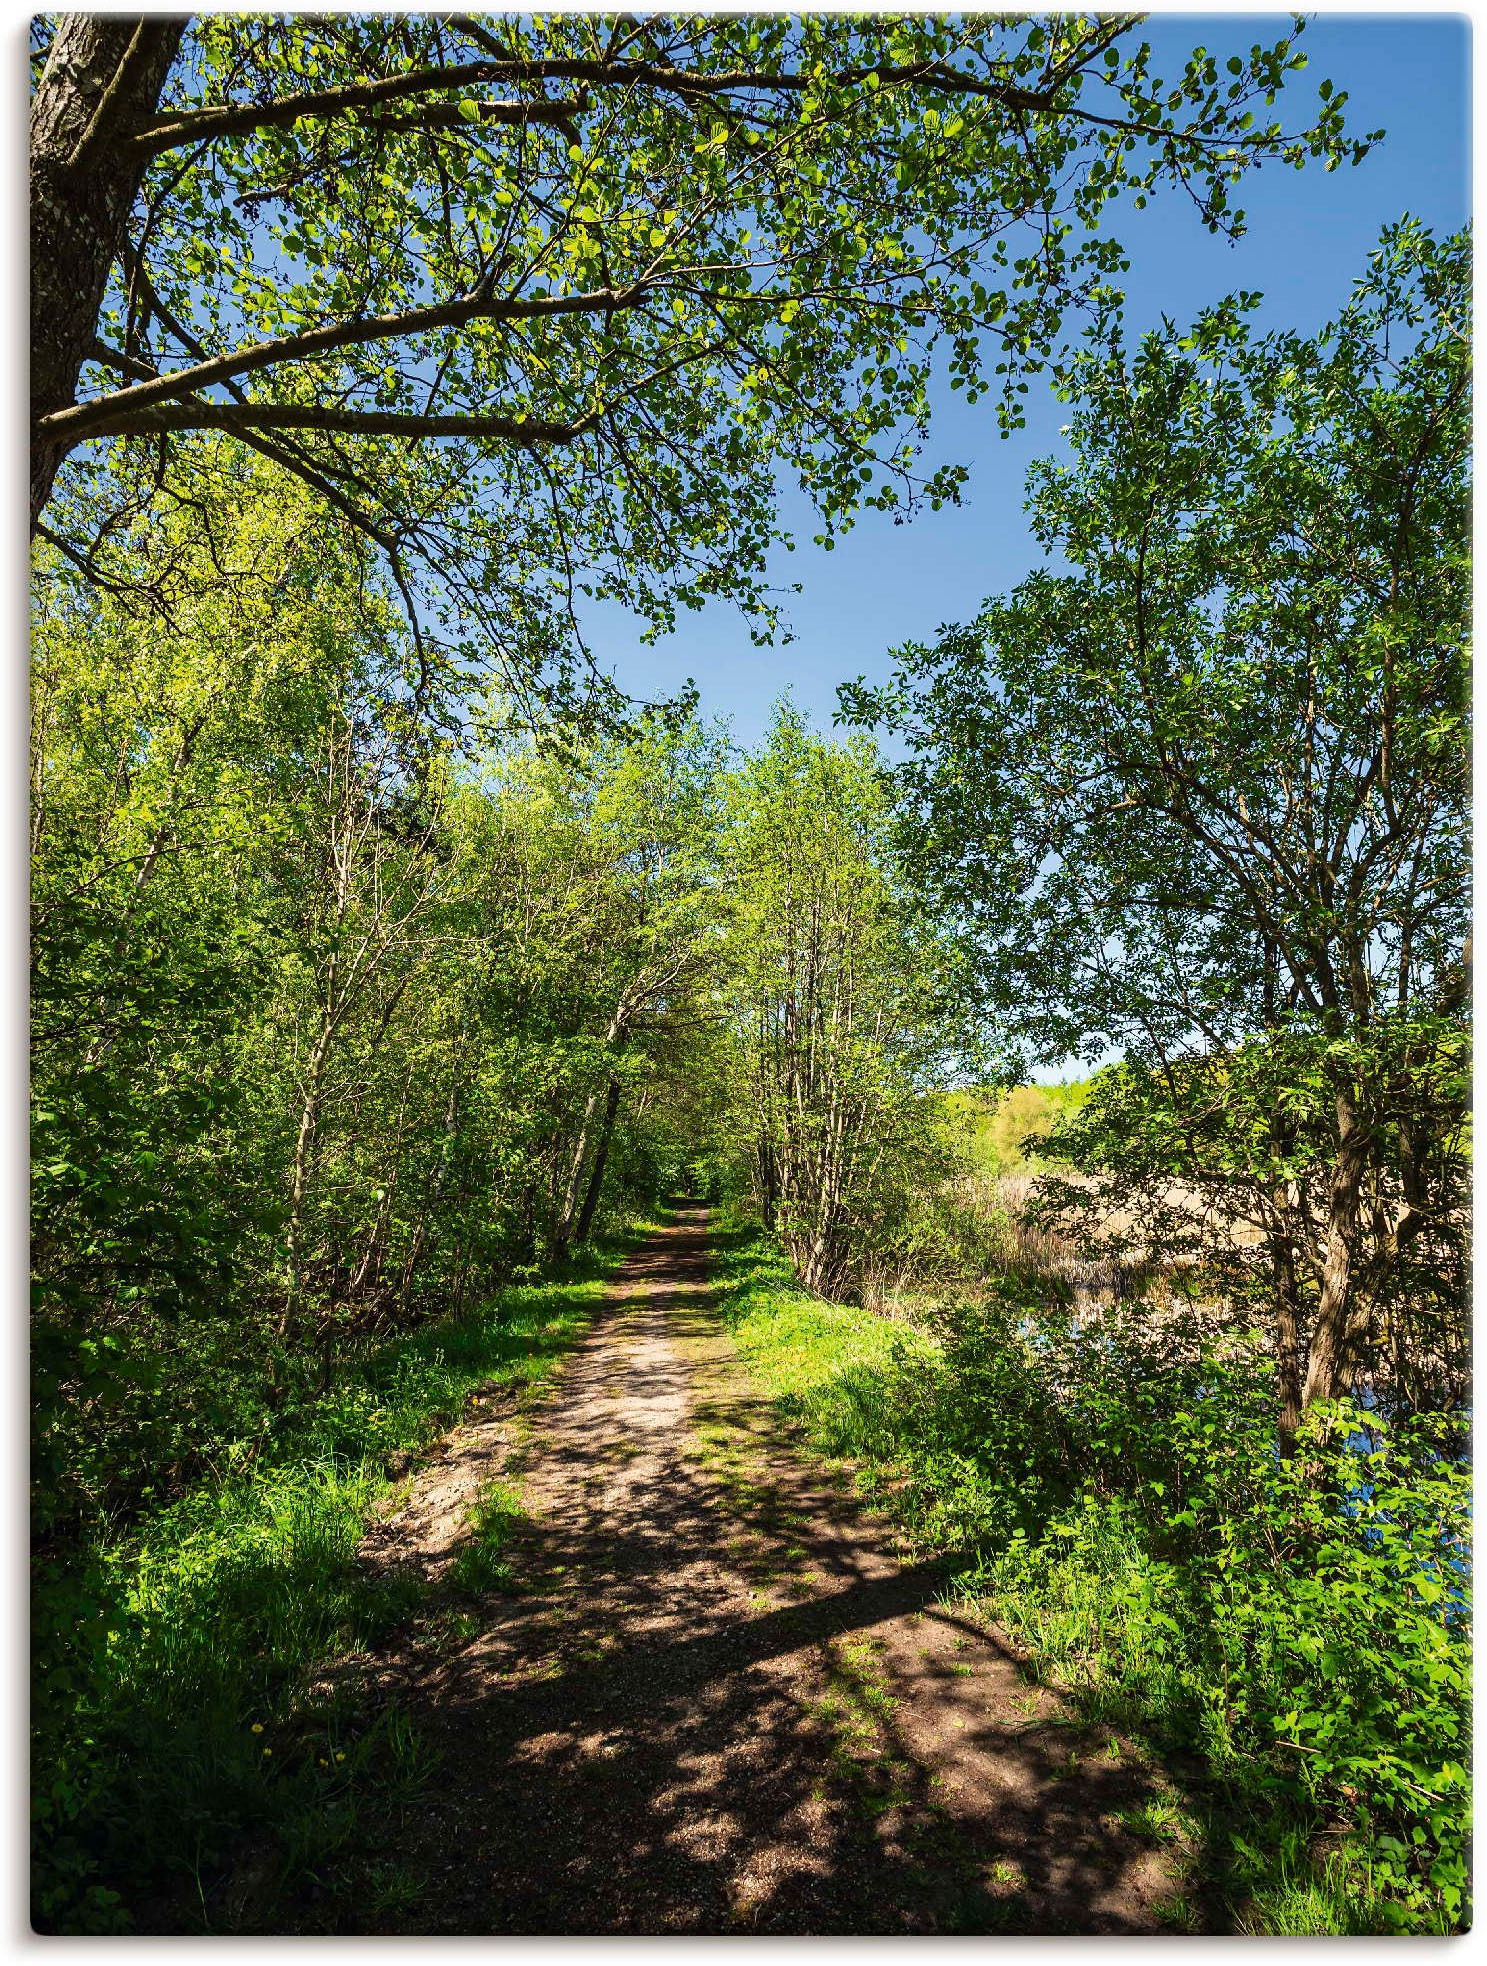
(1113,1483)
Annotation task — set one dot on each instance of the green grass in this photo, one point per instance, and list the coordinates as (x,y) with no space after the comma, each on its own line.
(829,1366)
(1307,1897)
(175,1721)
(482,1564)
(1193,1650)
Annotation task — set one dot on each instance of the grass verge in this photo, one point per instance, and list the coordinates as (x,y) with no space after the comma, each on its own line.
(1295,1661)
(173,1721)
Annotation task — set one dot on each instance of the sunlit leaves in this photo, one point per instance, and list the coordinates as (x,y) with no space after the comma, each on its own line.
(1198,789)
(776,241)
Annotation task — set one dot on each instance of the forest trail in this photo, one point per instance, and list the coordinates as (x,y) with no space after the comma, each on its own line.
(713,1699)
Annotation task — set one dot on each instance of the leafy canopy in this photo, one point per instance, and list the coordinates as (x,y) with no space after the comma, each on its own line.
(547,305)
(1213,774)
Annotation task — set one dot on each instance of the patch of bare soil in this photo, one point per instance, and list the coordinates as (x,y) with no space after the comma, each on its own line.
(716,1699)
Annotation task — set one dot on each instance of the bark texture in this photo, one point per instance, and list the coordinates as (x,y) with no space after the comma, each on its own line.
(102,82)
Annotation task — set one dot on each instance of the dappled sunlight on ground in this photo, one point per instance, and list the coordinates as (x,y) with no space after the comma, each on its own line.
(714,1699)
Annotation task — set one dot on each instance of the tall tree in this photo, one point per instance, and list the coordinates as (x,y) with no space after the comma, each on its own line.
(837,1000)
(460,272)
(649,809)
(1202,797)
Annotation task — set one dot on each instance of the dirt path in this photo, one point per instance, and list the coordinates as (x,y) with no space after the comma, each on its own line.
(716,1702)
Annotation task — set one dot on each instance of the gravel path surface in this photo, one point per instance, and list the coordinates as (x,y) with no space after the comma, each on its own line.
(716,1699)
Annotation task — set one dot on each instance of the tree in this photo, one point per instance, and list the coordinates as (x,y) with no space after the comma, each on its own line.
(169,783)
(541,306)
(838,1000)
(1202,797)
(649,808)
(318,1013)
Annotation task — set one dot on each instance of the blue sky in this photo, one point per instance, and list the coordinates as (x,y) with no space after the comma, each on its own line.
(1309,236)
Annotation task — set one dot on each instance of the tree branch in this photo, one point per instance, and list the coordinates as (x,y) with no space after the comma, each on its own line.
(451,116)
(223,119)
(84,563)
(115,358)
(215,120)
(237,417)
(101,417)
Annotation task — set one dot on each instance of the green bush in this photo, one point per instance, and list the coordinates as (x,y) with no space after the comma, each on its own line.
(1114,1487)
(1301,1624)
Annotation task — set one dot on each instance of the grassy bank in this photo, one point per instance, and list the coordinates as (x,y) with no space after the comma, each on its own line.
(173,1723)
(1289,1642)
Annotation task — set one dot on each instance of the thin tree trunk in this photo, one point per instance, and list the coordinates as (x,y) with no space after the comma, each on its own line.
(601,1156)
(769,1186)
(309,1121)
(1287,1331)
(363,1271)
(614,1039)
(562,1233)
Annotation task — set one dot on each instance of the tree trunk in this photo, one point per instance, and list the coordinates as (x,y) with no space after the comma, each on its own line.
(562,1233)
(601,1156)
(1287,1332)
(614,1039)
(361,1276)
(769,1186)
(102,82)
(309,1121)
(1340,1309)
(1285,1229)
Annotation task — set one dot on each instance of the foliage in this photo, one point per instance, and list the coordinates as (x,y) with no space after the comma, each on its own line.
(1200,796)
(543,304)
(1012,1127)
(1114,1493)
(1308,1637)
(339,1031)
(651,809)
(172,1700)
(843,1011)
(358,1007)
(324,1020)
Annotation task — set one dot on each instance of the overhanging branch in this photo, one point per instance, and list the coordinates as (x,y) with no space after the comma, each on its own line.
(218,120)
(355,423)
(101,417)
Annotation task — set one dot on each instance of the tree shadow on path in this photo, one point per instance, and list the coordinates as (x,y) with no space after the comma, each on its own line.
(719,1704)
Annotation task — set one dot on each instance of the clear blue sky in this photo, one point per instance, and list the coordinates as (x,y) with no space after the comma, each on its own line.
(1309,236)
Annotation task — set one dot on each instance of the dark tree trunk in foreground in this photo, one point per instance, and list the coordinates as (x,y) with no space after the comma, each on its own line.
(102,80)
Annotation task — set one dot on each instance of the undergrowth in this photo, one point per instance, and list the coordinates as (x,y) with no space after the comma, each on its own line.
(173,1721)
(1289,1638)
